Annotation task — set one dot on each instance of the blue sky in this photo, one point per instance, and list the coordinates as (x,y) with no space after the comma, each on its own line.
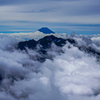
(79,16)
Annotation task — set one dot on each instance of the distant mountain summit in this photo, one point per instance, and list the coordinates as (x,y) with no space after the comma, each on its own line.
(46,30)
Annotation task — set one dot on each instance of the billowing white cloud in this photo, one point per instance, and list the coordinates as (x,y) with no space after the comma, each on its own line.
(70,75)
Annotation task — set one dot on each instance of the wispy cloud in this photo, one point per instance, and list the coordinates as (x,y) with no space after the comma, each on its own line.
(53,11)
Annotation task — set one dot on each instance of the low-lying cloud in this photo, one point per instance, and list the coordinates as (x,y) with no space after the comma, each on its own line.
(32,35)
(71,74)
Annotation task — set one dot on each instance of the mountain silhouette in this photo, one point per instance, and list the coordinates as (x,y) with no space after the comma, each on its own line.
(46,30)
(46,42)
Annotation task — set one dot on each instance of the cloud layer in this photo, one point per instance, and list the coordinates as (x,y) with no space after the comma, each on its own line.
(84,12)
(71,74)
(32,35)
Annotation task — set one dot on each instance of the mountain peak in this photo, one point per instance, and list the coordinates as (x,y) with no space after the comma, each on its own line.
(46,30)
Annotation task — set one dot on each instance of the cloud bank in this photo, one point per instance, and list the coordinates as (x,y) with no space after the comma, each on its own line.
(32,35)
(72,74)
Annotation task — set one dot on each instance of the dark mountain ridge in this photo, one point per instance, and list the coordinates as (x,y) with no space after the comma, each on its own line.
(46,42)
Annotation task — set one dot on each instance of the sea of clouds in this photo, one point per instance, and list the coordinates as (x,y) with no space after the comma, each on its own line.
(70,75)
(32,35)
